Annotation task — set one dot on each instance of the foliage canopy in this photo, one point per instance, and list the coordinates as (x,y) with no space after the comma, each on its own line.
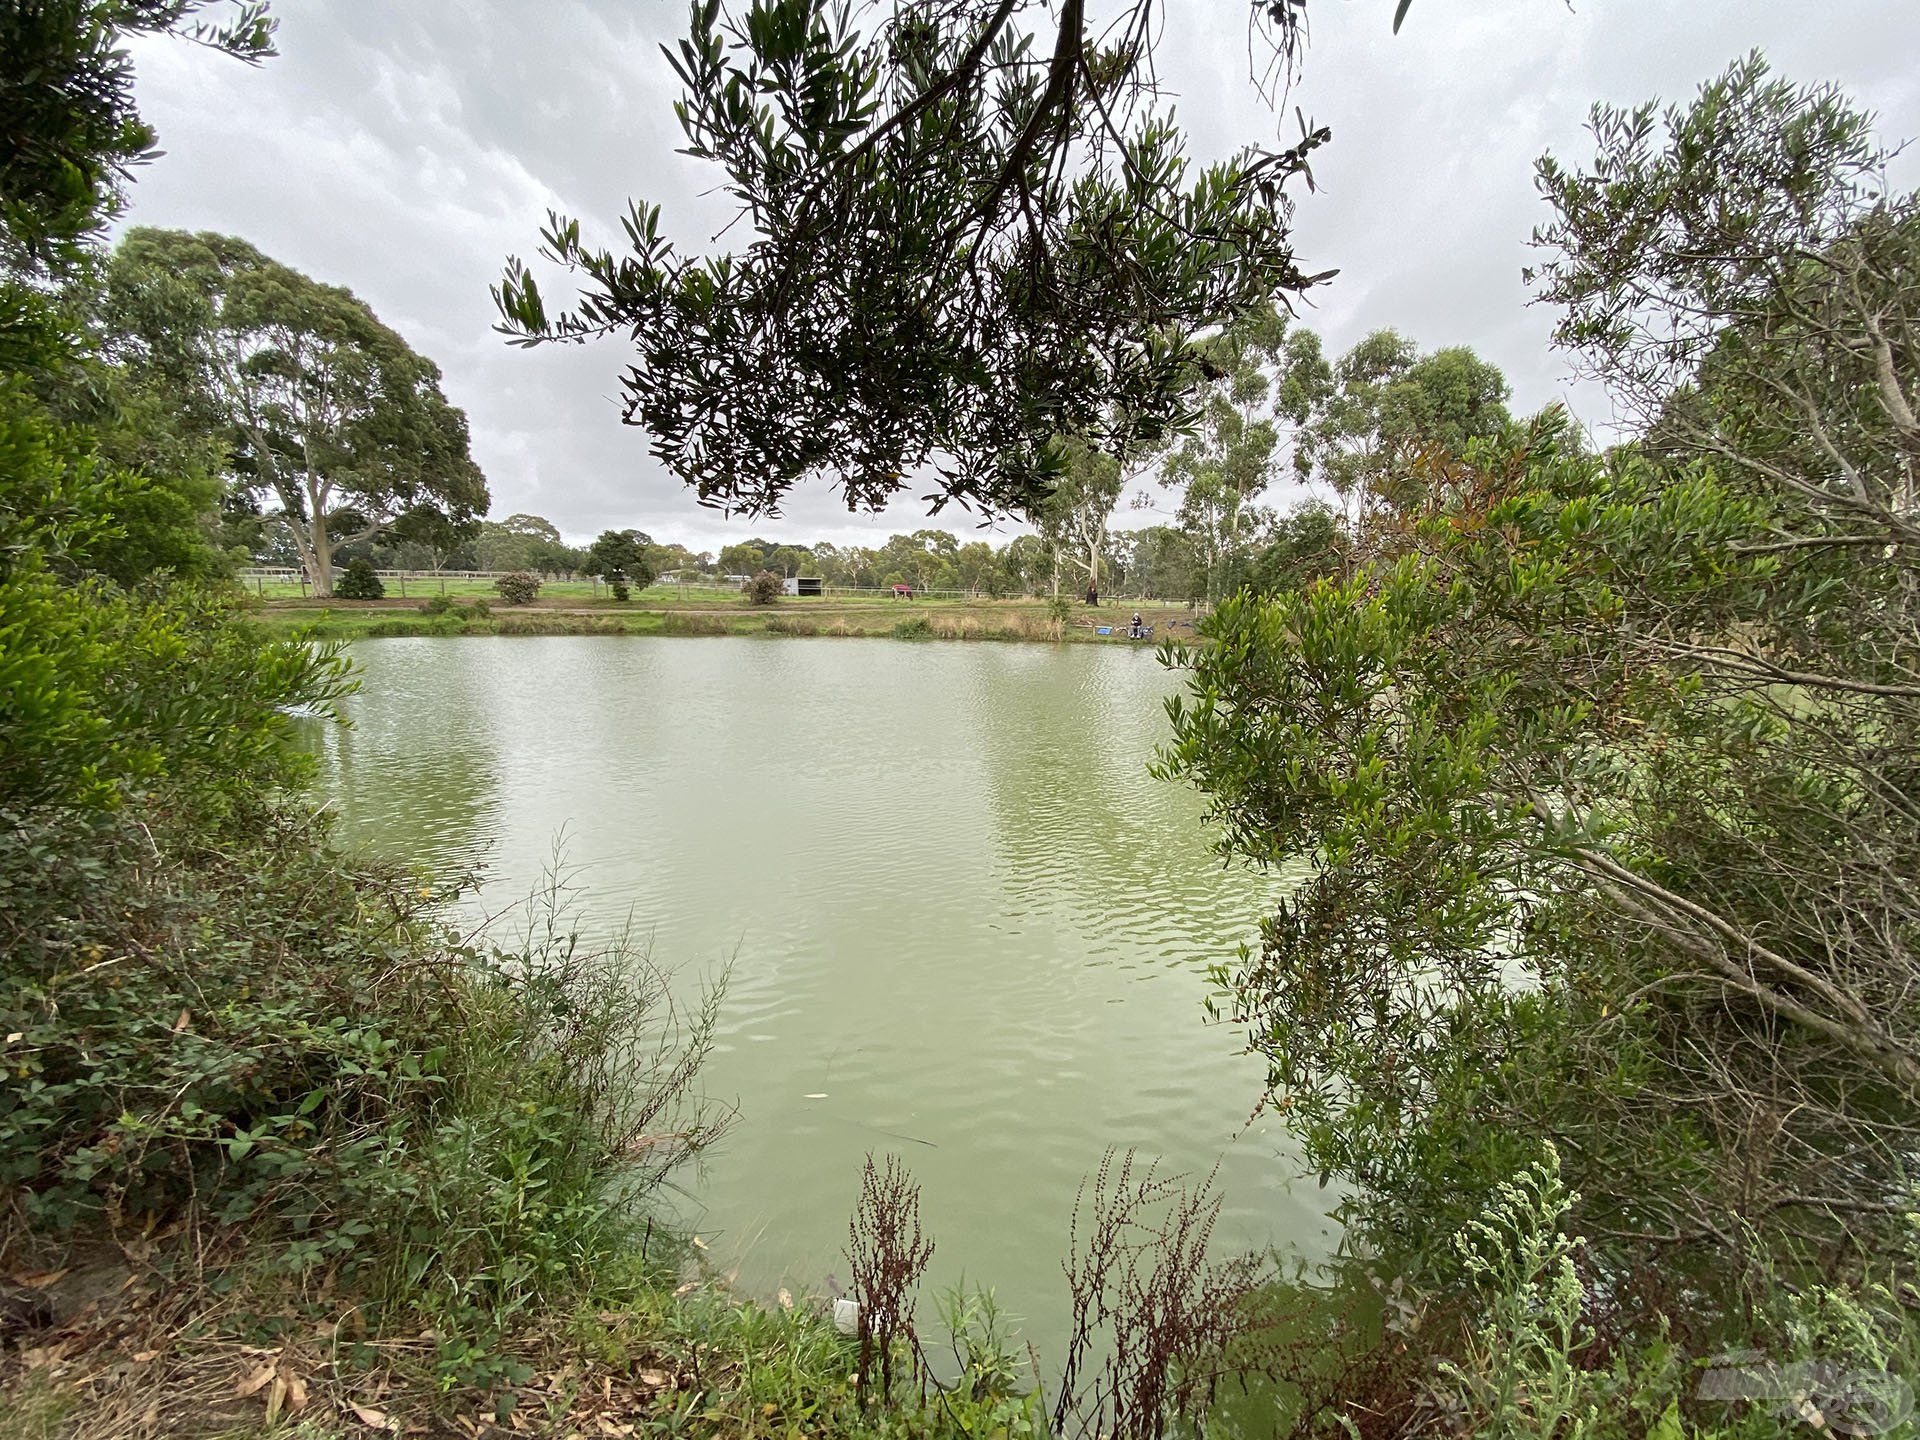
(1602,768)
(328,414)
(966,238)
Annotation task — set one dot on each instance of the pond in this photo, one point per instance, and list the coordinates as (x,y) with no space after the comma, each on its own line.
(964,924)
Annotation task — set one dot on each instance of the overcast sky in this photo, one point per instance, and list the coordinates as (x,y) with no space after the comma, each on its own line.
(405,149)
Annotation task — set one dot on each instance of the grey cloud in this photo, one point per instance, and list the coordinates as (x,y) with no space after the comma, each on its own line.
(406,150)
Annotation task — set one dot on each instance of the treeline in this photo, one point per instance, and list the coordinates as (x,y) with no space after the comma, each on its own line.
(277,420)
(1334,437)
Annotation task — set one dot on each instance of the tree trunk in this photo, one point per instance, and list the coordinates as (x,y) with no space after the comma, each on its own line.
(319,556)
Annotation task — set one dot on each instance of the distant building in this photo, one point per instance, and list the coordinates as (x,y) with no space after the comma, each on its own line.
(805,585)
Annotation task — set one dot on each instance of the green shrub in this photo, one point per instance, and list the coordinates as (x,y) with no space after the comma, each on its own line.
(914,627)
(261,1033)
(214,1019)
(359,582)
(439,625)
(437,604)
(617,583)
(522,587)
(764,588)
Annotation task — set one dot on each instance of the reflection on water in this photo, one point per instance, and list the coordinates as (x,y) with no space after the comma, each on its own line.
(966,925)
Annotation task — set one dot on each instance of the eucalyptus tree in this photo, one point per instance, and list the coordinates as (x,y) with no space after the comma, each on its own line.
(1602,788)
(1075,516)
(977,569)
(1302,545)
(524,542)
(1383,404)
(1161,563)
(1029,563)
(743,557)
(328,414)
(1264,379)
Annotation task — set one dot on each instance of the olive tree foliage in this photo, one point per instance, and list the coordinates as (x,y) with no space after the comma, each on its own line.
(1738,273)
(1603,786)
(328,414)
(67,110)
(969,226)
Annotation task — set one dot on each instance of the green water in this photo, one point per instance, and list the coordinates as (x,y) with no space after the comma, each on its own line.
(966,926)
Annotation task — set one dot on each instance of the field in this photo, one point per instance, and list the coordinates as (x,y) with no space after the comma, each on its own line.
(667,611)
(272,587)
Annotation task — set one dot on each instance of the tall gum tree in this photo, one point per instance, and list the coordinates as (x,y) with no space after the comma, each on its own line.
(1264,377)
(1382,407)
(328,414)
(1078,512)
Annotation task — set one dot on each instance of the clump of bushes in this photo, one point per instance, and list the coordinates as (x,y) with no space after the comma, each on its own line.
(359,582)
(522,587)
(914,627)
(550,624)
(764,588)
(617,584)
(267,1038)
(217,1026)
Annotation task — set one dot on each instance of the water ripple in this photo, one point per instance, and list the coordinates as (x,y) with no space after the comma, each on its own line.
(958,909)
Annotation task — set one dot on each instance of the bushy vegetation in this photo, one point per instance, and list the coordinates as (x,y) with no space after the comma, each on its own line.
(520,588)
(461,610)
(1598,772)
(224,1026)
(224,1035)
(1595,772)
(359,582)
(621,558)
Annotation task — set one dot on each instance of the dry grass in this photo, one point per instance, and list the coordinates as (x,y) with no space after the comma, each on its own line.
(148,1361)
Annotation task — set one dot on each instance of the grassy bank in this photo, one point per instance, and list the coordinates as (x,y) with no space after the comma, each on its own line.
(1009,621)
